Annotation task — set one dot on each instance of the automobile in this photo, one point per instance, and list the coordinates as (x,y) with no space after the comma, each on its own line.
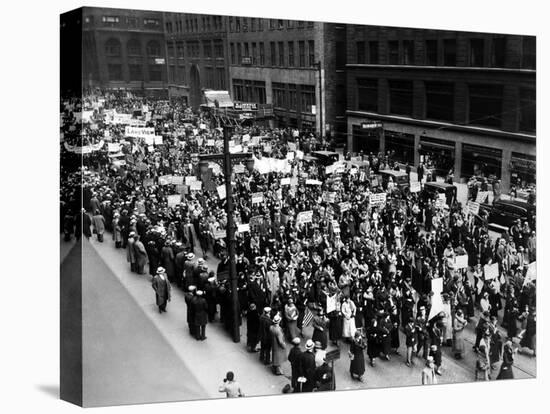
(400,179)
(326,157)
(432,189)
(504,213)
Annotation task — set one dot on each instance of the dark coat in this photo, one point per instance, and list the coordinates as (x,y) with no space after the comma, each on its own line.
(294,358)
(307,370)
(357,364)
(278,345)
(265,324)
(162,290)
(253,326)
(200,311)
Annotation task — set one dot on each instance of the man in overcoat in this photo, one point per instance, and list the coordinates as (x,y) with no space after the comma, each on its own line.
(200,310)
(162,289)
(265,337)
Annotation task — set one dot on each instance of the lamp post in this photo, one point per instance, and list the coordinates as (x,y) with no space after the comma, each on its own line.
(321,126)
(226,159)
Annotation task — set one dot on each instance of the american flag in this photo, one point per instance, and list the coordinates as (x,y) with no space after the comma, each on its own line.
(308,317)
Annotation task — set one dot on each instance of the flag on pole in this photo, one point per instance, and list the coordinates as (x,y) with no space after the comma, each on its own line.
(308,317)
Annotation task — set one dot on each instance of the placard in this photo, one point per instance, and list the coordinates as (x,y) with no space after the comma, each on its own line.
(377,199)
(490,271)
(238,169)
(344,206)
(243,228)
(329,197)
(473,207)
(335,227)
(195,186)
(165,180)
(139,132)
(221,191)
(190,179)
(210,142)
(149,140)
(331,303)
(236,149)
(290,156)
(482,196)
(173,200)
(113,147)
(313,182)
(285,181)
(461,262)
(305,217)
(158,140)
(177,179)
(257,198)
(182,189)
(415,186)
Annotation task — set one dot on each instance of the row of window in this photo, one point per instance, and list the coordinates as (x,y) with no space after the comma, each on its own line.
(485,103)
(293,97)
(195,24)
(434,52)
(254,24)
(210,49)
(113,48)
(128,21)
(282,54)
(135,73)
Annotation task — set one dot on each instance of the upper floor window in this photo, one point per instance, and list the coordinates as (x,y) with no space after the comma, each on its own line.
(408,52)
(373,52)
(477,49)
(449,52)
(112,47)
(153,48)
(110,20)
(132,22)
(498,52)
(529,55)
(151,22)
(360,49)
(393,52)
(133,47)
(431,52)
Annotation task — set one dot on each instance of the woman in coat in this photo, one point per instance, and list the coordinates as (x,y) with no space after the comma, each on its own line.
(167,261)
(348,313)
(507,362)
(130,252)
(162,288)
(357,358)
(459,323)
(99,225)
(141,256)
(291,318)
(117,231)
(278,345)
(373,342)
(320,333)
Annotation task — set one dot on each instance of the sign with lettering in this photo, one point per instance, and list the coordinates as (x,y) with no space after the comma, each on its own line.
(238,169)
(415,186)
(243,228)
(257,198)
(221,191)
(482,196)
(473,207)
(220,234)
(461,262)
(329,197)
(173,200)
(377,199)
(305,217)
(285,181)
(190,179)
(158,140)
(195,186)
(139,132)
(491,271)
(177,180)
(313,182)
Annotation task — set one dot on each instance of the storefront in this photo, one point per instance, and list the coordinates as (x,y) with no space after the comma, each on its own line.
(523,170)
(401,146)
(481,161)
(437,155)
(366,140)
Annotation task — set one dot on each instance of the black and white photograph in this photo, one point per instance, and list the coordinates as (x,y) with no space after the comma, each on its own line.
(294,206)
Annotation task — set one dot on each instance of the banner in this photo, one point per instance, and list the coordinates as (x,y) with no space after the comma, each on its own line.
(482,196)
(173,200)
(415,186)
(139,132)
(461,262)
(221,191)
(257,198)
(473,207)
(305,217)
(490,271)
(313,182)
(377,199)
(113,147)
(177,180)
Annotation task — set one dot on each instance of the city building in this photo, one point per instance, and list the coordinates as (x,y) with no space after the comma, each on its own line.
(296,66)
(123,49)
(196,46)
(462,101)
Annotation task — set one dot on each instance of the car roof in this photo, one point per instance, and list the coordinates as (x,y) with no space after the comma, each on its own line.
(325,153)
(393,172)
(439,185)
(515,203)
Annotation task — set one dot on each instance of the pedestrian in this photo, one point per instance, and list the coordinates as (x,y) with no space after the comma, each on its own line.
(252,328)
(324,377)
(278,345)
(319,353)
(459,323)
(348,313)
(68,225)
(291,319)
(200,312)
(294,357)
(506,371)
(410,340)
(162,288)
(140,255)
(265,336)
(231,387)
(357,357)
(428,373)
(117,230)
(189,298)
(307,367)
(483,363)
(131,252)
(320,328)
(373,342)
(99,225)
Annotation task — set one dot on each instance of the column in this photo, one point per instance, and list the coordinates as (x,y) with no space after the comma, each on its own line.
(458,161)
(382,137)
(505,169)
(416,146)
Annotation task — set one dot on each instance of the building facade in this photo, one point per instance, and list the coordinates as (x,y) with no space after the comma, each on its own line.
(288,64)
(123,49)
(458,100)
(196,46)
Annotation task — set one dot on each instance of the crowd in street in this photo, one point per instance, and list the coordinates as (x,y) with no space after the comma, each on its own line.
(321,246)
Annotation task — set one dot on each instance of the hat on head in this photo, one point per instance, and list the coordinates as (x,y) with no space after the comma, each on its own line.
(132,233)
(309,345)
(267,309)
(161,270)
(211,279)
(200,292)
(317,345)
(273,266)
(296,341)
(201,260)
(190,256)
(192,288)
(277,318)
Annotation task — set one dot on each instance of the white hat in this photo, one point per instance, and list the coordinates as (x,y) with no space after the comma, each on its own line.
(161,270)
(190,256)
(132,233)
(309,344)
(267,309)
(191,288)
(277,318)
(200,292)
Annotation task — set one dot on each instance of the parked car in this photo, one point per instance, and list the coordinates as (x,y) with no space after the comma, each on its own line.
(432,189)
(326,157)
(504,213)
(400,179)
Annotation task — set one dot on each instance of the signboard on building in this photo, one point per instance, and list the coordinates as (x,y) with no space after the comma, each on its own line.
(246,106)
(371,125)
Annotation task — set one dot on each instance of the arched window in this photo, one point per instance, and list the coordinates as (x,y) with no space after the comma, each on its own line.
(153,48)
(112,47)
(134,47)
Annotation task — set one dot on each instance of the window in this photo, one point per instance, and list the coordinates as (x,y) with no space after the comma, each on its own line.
(238,89)
(449,52)
(290,54)
(262,54)
(273,54)
(393,52)
(218,49)
(132,22)
(110,21)
(112,47)
(207,49)
(340,55)
(230,23)
(193,48)
(180,49)
(290,24)
(498,52)
(301,53)
(133,47)
(170,49)
(431,52)
(135,72)
(292,97)
(260,25)
(115,72)
(155,73)
(220,74)
(153,48)
(360,52)
(280,24)
(258,94)
(254,54)
(245,24)
(485,105)
(239,54)
(151,22)
(209,74)
(169,27)
(529,55)
(367,95)
(232,48)
(408,52)
(301,24)
(373,52)
(281,54)
(476,52)
(279,93)
(440,101)
(310,24)
(271,24)
(401,97)
(237,24)
(311,52)
(172,73)
(246,52)
(307,98)
(527,110)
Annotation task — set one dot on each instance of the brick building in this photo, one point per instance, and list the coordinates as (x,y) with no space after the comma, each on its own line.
(287,63)
(462,100)
(123,49)
(196,46)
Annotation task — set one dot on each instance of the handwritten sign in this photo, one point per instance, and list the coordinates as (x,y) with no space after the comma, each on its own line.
(165,180)
(220,234)
(243,228)
(344,206)
(238,169)
(195,186)
(190,179)
(173,200)
(491,271)
(335,227)
(177,179)
(148,182)
(305,217)
(461,262)
(473,207)
(139,132)
(415,187)
(482,196)
(313,182)
(257,198)
(158,140)
(113,147)
(221,191)
(377,199)
(285,181)
(329,197)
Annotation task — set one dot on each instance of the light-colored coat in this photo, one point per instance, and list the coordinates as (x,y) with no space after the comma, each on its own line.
(278,345)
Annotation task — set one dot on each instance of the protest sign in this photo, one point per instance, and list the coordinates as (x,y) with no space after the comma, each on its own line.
(177,179)
(285,181)
(305,217)
(173,200)
(195,186)
(415,187)
(279,194)
(236,149)
(290,156)
(221,191)
(313,182)
(473,207)
(377,199)
(329,197)
(113,147)
(331,303)
(490,271)
(139,132)
(257,198)
(482,196)
(220,234)
(344,206)
(210,142)
(461,262)
(243,228)
(294,182)
(150,140)
(165,180)
(158,140)
(238,169)
(182,189)
(190,179)
(335,227)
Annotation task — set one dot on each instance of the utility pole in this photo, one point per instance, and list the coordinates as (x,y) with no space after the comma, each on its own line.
(321,126)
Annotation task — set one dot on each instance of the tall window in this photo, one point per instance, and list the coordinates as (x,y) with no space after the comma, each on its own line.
(307,98)
(281,46)
(153,48)
(135,73)
(133,47)
(311,52)
(115,72)
(254,54)
(262,54)
(180,49)
(431,52)
(207,48)
(232,49)
(132,22)
(280,24)
(373,52)
(291,54)
(440,101)
(279,100)
(486,105)
(408,52)
(155,73)
(273,54)
(302,53)
(110,21)
(360,52)
(271,24)
(498,52)
(220,75)
(246,52)
(301,24)
(252,24)
(367,94)
(340,55)
(292,97)
(401,97)
(449,52)
(527,110)
(170,49)
(112,47)
(218,48)
(239,54)
(529,55)
(477,47)
(237,24)
(393,52)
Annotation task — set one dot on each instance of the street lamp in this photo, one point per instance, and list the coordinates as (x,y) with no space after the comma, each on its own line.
(321,126)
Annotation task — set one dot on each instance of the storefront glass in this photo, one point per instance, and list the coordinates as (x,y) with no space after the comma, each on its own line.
(437,155)
(400,146)
(481,161)
(366,140)
(523,170)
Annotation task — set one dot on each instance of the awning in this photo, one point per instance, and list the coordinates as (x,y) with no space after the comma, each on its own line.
(222,97)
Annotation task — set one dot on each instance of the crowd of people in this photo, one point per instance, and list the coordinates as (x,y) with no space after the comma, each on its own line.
(324,246)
